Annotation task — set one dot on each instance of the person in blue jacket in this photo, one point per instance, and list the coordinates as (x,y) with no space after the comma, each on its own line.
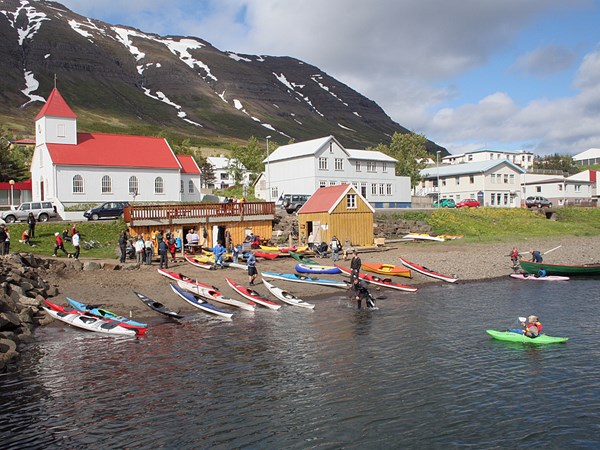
(536,256)
(219,251)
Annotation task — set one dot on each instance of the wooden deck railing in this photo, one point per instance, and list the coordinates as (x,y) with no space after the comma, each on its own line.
(197,210)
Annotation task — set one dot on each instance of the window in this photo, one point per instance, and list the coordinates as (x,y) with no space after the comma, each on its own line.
(381,188)
(471,179)
(322,183)
(133,186)
(351,201)
(493,176)
(181,186)
(355,184)
(60,130)
(560,187)
(458,181)
(512,178)
(339,164)
(577,188)
(444,182)
(322,163)
(78,184)
(159,186)
(224,176)
(384,167)
(274,192)
(371,166)
(492,198)
(470,158)
(505,178)
(106,184)
(374,189)
(538,189)
(388,188)
(191,187)
(331,182)
(357,166)
(505,199)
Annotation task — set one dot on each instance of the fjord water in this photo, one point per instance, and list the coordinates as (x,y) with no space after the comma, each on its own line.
(418,372)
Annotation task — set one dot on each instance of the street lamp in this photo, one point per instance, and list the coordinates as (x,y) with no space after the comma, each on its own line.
(268,174)
(12,191)
(437,163)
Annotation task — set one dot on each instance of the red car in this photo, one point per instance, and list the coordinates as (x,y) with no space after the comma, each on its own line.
(470,203)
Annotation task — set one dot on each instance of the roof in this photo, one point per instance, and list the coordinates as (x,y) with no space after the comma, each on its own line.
(115,150)
(370,155)
(299,149)
(588,154)
(220,162)
(510,152)
(188,164)
(465,169)
(325,199)
(56,106)
(19,185)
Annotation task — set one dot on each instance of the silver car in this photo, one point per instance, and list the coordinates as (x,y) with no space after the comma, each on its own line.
(42,211)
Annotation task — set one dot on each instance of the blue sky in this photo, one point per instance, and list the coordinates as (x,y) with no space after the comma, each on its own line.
(468,74)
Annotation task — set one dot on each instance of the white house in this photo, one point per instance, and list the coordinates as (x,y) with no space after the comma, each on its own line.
(588,157)
(519,158)
(494,183)
(575,190)
(303,167)
(223,176)
(72,168)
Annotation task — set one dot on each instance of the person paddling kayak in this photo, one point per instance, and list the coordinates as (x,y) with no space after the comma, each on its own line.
(532,327)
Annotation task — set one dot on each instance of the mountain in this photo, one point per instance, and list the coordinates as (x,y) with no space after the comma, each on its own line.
(120,79)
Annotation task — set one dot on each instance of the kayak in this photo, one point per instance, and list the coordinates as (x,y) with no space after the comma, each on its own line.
(303,259)
(266,255)
(305,279)
(526,276)
(157,306)
(286,296)
(199,303)
(212,293)
(387,269)
(86,322)
(510,336)
(315,268)
(428,272)
(252,295)
(383,282)
(424,237)
(176,276)
(105,314)
(198,262)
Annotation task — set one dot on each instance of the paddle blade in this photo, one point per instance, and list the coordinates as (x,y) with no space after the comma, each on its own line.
(522,319)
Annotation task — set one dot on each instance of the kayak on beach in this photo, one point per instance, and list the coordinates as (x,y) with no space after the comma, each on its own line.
(157,306)
(212,293)
(526,276)
(427,272)
(387,269)
(303,259)
(378,281)
(305,279)
(423,236)
(286,296)
(314,268)
(199,261)
(86,322)
(252,295)
(94,310)
(199,303)
(511,336)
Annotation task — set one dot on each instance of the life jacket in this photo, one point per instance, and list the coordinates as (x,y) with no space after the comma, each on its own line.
(537,324)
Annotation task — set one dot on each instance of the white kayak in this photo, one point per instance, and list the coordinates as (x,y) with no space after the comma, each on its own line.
(210,293)
(287,297)
(91,323)
(199,303)
(526,276)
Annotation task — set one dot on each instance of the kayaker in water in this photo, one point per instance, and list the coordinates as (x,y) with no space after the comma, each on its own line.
(533,327)
(361,291)
(541,273)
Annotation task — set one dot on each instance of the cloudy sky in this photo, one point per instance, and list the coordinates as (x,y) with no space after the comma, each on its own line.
(468,74)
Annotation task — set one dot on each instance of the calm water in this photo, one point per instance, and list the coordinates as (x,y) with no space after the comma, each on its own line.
(419,372)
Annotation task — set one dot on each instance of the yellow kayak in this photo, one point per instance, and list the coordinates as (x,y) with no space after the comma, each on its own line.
(387,269)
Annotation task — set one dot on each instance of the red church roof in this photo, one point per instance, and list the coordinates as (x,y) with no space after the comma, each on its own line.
(188,164)
(115,150)
(56,106)
(323,199)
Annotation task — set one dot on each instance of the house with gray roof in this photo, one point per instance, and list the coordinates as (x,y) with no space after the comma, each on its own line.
(520,158)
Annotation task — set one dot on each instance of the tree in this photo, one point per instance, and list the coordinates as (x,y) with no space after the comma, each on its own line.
(15,161)
(411,152)
(563,163)
(251,155)
(207,171)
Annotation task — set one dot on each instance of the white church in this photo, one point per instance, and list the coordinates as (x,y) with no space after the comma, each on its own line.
(72,168)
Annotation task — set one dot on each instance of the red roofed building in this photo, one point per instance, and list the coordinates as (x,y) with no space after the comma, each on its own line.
(339,211)
(72,168)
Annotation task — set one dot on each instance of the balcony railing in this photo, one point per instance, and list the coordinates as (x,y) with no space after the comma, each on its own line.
(197,210)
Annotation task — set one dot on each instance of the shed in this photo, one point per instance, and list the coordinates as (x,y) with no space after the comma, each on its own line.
(337,211)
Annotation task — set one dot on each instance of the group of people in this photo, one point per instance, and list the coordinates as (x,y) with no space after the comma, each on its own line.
(536,256)
(360,289)
(4,240)
(165,243)
(321,249)
(67,235)
(195,242)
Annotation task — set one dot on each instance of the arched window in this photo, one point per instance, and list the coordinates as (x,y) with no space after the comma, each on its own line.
(78,184)
(158,185)
(106,184)
(191,187)
(133,186)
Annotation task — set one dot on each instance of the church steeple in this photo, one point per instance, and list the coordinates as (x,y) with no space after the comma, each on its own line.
(56,123)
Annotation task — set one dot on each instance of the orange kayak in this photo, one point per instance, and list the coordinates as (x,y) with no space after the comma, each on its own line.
(387,269)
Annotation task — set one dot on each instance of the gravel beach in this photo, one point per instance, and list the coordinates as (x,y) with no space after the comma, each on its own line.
(468,261)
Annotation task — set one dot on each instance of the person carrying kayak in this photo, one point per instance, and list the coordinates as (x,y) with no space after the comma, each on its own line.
(533,328)
(361,291)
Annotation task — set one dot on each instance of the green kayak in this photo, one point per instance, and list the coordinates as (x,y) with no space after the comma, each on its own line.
(509,336)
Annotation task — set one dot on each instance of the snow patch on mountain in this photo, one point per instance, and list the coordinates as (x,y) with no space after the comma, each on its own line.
(123,36)
(31,85)
(32,21)
(237,57)
(182,48)
(160,96)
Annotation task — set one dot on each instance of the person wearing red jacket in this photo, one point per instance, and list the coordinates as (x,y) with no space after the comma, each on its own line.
(533,327)
(59,244)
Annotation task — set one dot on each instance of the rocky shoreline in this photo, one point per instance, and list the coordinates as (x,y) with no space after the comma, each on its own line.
(25,279)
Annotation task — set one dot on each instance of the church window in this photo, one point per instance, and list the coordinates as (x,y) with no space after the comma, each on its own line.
(133,186)
(191,187)
(78,184)
(159,186)
(106,185)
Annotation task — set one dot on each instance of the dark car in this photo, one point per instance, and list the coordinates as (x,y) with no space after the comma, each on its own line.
(293,202)
(538,201)
(445,203)
(109,210)
(470,203)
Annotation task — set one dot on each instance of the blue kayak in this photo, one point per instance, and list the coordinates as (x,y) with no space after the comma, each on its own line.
(99,312)
(199,303)
(317,269)
(304,279)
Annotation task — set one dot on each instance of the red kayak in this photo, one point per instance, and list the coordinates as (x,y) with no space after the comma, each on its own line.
(266,255)
(252,295)
(428,272)
(176,276)
(383,282)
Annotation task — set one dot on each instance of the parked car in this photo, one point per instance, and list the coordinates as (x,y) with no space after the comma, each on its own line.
(109,210)
(538,201)
(445,203)
(42,211)
(470,203)
(293,202)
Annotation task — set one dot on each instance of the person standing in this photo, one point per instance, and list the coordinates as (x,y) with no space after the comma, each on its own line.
(361,291)
(163,248)
(311,241)
(149,249)
(75,242)
(122,246)
(335,246)
(355,264)
(252,272)
(140,252)
(2,239)
(59,244)
(7,241)
(514,257)
(31,223)
(219,251)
